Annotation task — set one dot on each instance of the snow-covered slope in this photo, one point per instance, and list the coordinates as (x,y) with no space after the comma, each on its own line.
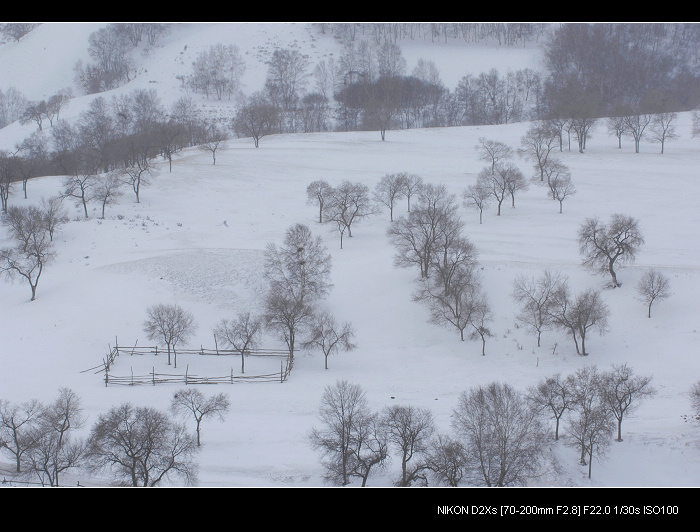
(197,237)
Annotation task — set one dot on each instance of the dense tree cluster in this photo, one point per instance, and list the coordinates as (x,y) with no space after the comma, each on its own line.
(135,446)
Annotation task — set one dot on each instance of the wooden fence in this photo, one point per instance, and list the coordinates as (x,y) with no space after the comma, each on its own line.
(187,378)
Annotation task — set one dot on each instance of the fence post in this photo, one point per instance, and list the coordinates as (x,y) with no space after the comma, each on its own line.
(154,376)
(132,375)
(187,369)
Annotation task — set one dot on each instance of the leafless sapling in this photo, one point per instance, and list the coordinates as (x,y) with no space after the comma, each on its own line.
(562,187)
(412,185)
(108,189)
(241,333)
(653,286)
(54,214)
(477,197)
(80,186)
(329,336)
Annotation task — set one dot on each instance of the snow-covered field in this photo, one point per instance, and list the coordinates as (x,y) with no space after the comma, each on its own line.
(197,237)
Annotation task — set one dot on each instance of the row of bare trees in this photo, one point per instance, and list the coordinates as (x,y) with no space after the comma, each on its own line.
(594,405)
(136,446)
(499,433)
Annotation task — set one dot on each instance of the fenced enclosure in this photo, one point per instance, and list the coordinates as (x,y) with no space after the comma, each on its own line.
(268,365)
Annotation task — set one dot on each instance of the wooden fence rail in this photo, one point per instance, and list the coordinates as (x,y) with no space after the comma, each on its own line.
(162,378)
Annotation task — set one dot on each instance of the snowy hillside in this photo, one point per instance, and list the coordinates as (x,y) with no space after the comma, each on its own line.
(198,235)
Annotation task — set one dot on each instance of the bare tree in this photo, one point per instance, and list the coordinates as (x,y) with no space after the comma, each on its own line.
(301,267)
(287,316)
(170,323)
(410,430)
(317,192)
(553,170)
(138,173)
(389,189)
(54,450)
(538,143)
(142,446)
(457,305)
(214,140)
(477,197)
(342,412)
(662,128)
(412,185)
(553,394)
(256,119)
(416,235)
(480,317)
(23,223)
(493,151)
(536,297)
(192,401)
(47,459)
(447,460)
(27,259)
(79,186)
(503,180)
(502,434)
(329,336)
(587,311)
(653,286)
(622,392)
(108,189)
(241,333)
(515,182)
(562,187)
(605,245)
(616,126)
(635,125)
(17,428)
(695,397)
(54,214)
(590,425)
(369,449)
(347,204)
